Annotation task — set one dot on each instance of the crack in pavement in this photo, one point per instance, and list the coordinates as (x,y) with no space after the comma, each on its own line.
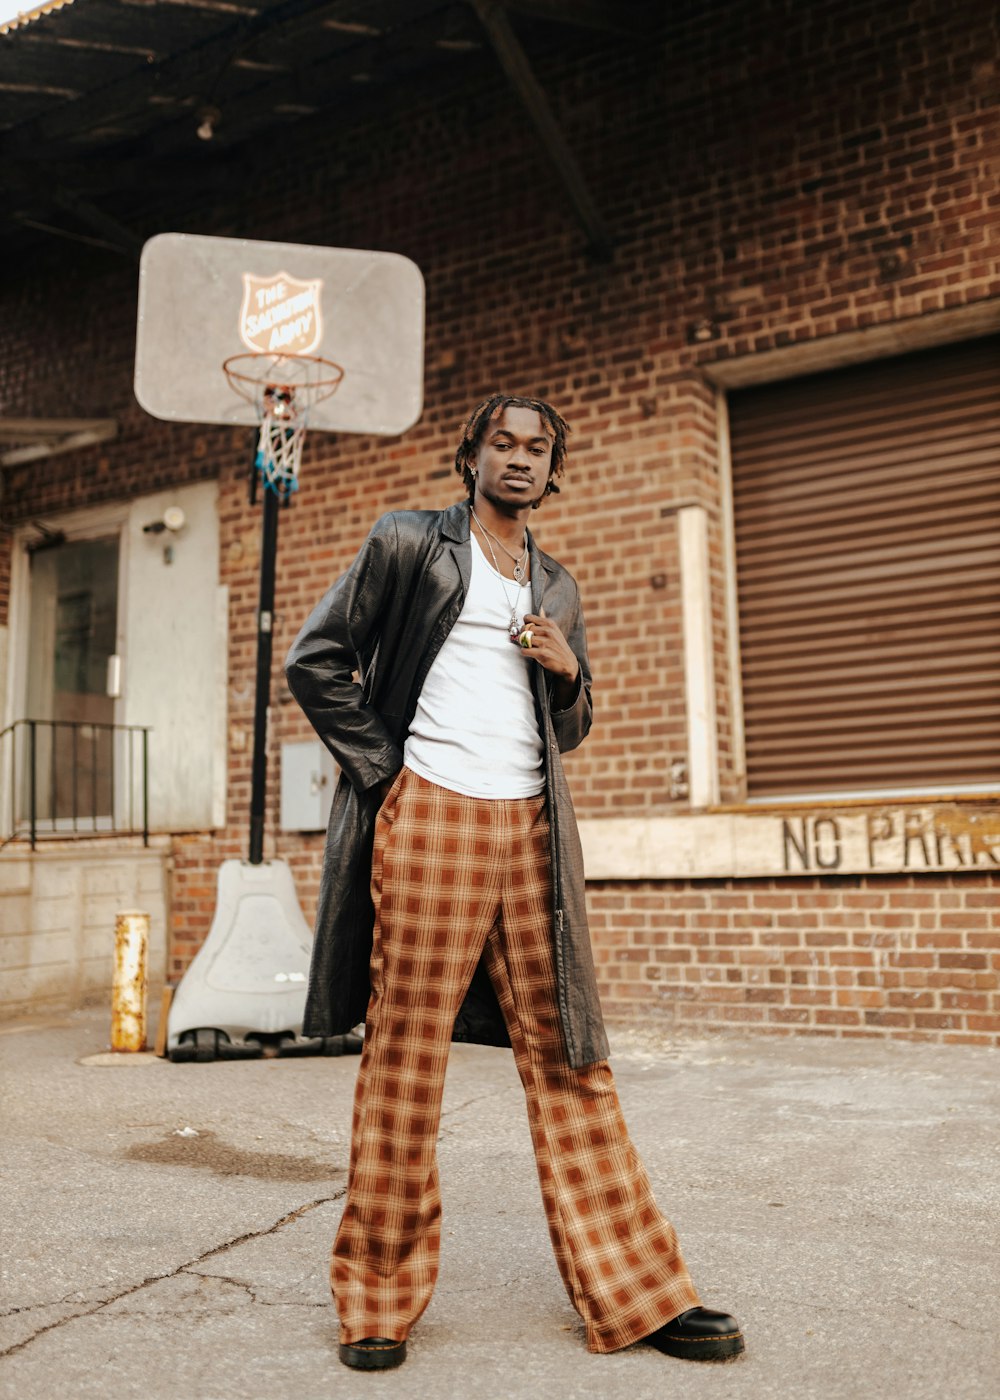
(188,1264)
(936,1317)
(69,1301)
(447,1128)
(189,1267)
(248,1289)
(477,1098)
(851,1310)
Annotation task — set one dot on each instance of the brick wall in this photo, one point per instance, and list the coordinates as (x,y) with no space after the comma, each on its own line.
(784,172)
(891,955)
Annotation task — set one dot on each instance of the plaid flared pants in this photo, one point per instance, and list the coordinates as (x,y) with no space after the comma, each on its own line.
(454,877)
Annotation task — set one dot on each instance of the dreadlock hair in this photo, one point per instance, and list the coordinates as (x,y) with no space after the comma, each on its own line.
(486,413)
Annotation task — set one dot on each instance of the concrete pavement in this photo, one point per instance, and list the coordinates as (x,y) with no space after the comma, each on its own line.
(841,1197)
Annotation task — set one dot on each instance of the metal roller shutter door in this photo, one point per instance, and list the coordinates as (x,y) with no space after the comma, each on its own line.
(867,521)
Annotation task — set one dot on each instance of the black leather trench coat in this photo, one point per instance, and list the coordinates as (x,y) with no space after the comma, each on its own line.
(385,619)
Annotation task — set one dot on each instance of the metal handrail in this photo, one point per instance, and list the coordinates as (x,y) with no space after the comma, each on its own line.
(126,789)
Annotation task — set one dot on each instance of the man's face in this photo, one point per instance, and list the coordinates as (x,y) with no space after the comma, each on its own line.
(513,460)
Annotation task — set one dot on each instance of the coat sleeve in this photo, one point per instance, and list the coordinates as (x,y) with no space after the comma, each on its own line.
(324,656)
(572,725)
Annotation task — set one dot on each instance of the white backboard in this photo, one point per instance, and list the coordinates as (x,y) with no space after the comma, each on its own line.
(203,299)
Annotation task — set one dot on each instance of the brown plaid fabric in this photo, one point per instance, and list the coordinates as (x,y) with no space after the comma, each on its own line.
(453,876)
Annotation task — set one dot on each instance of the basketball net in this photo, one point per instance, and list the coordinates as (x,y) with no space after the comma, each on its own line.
(282,389)
(280,440)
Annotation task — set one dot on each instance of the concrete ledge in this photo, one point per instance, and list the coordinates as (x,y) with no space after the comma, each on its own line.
(873,839)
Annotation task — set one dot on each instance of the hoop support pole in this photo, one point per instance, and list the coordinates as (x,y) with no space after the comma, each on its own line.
(265,634)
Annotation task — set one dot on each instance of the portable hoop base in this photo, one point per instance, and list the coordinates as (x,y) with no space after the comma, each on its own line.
(245,991)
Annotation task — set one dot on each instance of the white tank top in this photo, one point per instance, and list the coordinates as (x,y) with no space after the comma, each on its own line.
(475,730)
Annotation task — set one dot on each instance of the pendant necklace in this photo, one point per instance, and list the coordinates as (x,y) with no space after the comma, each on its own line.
(516,624)
(520,560)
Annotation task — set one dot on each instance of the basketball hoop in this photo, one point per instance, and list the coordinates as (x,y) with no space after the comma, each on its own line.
(282,389)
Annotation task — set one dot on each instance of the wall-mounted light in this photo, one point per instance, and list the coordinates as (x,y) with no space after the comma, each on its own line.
(208,119)
(698,332)
(173,519)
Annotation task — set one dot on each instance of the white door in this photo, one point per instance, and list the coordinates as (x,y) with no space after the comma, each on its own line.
(176,661)
(68,758)
(151,598)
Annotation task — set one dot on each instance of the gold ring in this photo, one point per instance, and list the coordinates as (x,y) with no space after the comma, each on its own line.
(527,637)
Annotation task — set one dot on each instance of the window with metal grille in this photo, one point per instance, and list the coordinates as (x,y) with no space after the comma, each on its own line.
(866,508)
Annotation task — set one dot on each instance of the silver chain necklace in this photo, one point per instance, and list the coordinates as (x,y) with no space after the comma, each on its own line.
(515,624)
(520,561)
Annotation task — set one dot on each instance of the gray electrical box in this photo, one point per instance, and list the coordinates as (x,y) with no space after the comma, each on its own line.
(308,778)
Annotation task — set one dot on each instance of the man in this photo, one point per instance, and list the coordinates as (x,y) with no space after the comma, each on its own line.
(452,898)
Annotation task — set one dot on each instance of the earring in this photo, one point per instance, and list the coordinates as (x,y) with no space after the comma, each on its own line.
(474,472)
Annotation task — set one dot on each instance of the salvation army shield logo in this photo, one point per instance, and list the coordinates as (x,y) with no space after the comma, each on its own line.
(281,315)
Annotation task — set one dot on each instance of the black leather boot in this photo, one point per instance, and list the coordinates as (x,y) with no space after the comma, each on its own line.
(699,1335)
(372,1354)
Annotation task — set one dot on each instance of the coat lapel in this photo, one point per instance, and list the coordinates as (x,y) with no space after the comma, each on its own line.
(455,532)
(539,575)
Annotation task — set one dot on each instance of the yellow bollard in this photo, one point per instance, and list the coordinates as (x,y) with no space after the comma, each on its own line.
(128,990)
